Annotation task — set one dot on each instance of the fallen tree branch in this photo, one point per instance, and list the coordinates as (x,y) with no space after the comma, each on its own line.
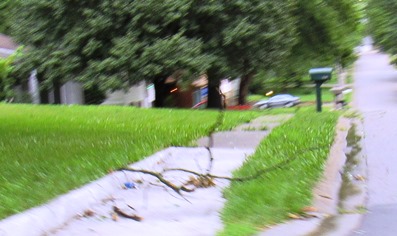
(125,215)
(258,174)
(207,176)
(160,177)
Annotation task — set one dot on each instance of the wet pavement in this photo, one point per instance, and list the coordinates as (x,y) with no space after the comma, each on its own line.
(376,98)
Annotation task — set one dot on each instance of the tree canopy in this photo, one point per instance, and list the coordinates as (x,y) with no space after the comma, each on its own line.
(109,44)
(383,23)
(327,34)
(6,11)
(114,43)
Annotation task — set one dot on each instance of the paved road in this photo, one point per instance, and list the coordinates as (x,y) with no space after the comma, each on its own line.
(376,98)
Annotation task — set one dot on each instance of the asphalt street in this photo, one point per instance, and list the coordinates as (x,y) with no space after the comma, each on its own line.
(375,97)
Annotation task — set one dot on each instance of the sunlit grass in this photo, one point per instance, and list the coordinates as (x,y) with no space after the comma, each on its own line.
(267,200)
(48,150)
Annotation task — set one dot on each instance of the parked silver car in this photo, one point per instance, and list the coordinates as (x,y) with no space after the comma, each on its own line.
(280,100)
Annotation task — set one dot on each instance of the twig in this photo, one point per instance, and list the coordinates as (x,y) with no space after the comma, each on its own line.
(258,174)
(123,214)
(217,124)
(174,196)
(161,179)
(211,161)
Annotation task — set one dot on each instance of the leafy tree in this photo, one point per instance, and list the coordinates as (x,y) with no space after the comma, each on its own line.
(283,37)
(112,44)
(7,81)
(383,23)
(244,36)
(260,36)
(7,8)
(327,35)
(116,43)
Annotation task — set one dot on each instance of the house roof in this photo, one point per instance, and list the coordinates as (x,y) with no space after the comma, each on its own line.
(7,46)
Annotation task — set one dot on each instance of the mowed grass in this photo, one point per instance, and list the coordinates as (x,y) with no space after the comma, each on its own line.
(255,204)
(48,150)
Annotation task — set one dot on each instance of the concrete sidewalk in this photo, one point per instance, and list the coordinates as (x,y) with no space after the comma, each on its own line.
(88,210)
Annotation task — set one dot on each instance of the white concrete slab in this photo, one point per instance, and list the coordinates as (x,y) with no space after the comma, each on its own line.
(164,211)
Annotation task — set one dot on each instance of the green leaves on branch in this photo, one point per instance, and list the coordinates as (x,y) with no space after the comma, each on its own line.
(7,81)
(111,44)
(383,23)
(327,34)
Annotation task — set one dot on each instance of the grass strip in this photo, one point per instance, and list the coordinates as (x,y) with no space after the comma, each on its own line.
(48,150)
(267,200)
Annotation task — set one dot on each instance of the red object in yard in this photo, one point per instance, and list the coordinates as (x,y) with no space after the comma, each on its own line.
(240,107)
(198,105)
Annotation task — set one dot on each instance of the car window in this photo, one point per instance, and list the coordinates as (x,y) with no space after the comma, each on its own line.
(278,98)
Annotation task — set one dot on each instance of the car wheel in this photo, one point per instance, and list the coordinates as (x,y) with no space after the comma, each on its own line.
(290,104)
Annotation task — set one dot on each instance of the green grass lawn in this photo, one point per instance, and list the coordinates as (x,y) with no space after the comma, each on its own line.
(267,200)
(48,150)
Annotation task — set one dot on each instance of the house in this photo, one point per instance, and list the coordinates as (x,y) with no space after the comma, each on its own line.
(140,95)
(7,46)
(197,93)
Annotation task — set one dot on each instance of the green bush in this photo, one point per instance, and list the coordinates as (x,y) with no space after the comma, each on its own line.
(6,81)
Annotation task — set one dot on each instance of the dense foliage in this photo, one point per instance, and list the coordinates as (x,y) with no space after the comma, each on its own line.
(6,8)
(115,43)
(254,35)
(327,34)
(383,23)
(6,79)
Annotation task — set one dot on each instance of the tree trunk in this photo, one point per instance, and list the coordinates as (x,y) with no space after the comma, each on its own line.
(44,96)
(214,97)
(159,87)
(243,90)
(57,92)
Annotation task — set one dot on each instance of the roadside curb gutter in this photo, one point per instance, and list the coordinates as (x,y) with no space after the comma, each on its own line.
(339,196)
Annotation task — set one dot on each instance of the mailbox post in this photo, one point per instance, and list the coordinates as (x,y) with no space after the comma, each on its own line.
(319,76)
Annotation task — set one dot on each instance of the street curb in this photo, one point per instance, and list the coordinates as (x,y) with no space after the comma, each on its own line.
(326,191)
(347,217)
